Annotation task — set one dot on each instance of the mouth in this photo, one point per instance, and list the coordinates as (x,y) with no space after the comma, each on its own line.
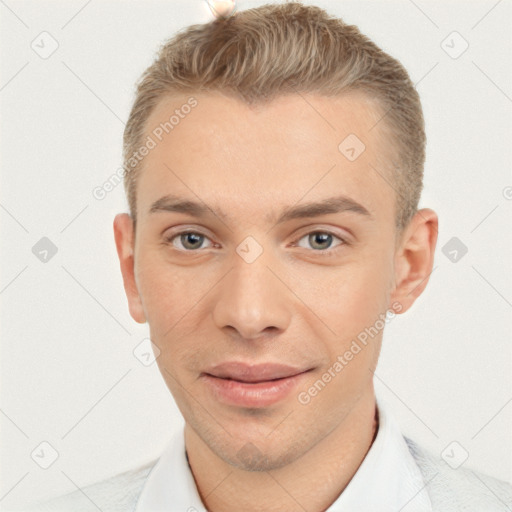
(246,385)
(244,372)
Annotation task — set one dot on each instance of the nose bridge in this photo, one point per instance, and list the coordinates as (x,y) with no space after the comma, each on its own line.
(251,298)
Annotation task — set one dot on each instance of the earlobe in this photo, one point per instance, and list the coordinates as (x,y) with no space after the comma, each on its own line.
(414,258)
(124,239)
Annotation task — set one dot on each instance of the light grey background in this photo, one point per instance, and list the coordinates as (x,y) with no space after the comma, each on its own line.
(68,373)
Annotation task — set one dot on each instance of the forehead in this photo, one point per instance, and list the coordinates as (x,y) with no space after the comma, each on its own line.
(296,146)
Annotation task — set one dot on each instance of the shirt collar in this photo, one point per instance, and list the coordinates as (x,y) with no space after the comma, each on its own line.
(387,480)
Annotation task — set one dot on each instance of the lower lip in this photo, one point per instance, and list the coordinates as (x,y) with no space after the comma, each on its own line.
(247,394)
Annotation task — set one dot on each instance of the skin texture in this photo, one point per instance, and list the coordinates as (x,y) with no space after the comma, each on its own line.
(291,305)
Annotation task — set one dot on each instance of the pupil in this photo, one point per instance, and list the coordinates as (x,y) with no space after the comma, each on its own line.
(320,238)
(192,239)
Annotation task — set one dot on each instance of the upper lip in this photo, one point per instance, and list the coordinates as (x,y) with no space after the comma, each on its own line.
(245,372)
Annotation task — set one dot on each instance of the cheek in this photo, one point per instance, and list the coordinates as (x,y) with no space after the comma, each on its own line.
(360,301)
(165,294)
(156,290)
(173,298)
(354,307)
(348,298)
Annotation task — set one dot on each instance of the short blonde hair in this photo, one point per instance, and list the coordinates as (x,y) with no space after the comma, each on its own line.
(261,53)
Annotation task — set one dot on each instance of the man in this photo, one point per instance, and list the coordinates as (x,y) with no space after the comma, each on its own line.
(274,164)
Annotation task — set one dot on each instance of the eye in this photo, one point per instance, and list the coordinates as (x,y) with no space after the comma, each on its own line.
(189,240)
(321,241)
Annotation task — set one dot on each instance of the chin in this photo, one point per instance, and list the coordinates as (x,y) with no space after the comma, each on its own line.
(258,454)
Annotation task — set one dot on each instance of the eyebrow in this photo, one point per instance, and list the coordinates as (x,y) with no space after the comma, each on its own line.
(337,204)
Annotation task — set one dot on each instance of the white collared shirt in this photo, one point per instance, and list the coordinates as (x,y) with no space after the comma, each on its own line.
(388,479)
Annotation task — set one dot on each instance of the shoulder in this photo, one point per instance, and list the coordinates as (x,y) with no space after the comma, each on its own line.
(118,493)
(460,489)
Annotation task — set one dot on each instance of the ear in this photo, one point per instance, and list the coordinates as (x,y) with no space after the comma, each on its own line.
(414,258)
(124,237)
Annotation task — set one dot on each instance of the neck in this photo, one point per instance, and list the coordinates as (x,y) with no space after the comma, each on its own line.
(312,482)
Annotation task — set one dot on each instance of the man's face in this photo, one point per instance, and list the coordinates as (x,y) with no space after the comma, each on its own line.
(249,288)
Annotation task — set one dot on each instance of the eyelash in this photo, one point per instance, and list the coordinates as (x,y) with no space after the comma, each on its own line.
(321,252)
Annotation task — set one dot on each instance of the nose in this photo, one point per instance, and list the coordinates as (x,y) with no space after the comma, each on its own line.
(252,301)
